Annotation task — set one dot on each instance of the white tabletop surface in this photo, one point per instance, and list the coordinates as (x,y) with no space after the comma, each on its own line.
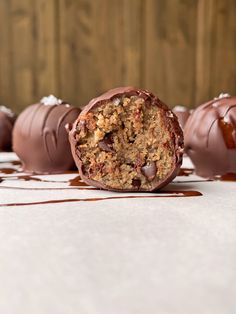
(116,256)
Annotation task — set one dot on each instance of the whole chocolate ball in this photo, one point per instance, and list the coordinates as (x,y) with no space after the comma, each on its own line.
(7,120)
(40,139)
(210,137)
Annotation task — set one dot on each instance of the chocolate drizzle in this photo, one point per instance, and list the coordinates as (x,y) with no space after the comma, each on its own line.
(185,172)
(227,177)
(70,200)
(8,170)
(77,182)
(73,184)
(228,132)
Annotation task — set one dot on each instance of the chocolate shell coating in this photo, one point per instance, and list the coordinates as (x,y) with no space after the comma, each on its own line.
(40,139)
(6,126)
(107,146)
(210,137)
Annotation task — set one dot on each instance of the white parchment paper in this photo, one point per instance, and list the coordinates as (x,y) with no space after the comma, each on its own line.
(134,256)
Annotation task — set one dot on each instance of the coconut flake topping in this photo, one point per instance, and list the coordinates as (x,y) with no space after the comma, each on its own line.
(7,111)
(50,101)
(180,108)
(222,95)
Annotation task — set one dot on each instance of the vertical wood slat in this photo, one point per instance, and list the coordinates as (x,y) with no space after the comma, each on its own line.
(205,31)
(133,18)
(223,66)
(216,47)
(100,46)
(27,52)
(6,94)
(47,42)
(22,49)
(169,41)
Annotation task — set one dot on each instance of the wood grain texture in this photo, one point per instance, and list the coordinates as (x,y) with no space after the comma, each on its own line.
(223,65)
(216,47)
(6,95)
(99,46)
(47,68)
(170,50)
(21,53)
(182,50)
(205,48)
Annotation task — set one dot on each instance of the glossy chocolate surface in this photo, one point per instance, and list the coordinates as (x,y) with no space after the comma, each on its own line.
(40,139)
(210,137)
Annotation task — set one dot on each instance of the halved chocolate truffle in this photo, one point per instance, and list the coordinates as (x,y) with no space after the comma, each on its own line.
(127,140)
(40,139)
(210,137)
(7,120)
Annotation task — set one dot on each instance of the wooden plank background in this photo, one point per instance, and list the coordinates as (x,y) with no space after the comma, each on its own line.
(182,50)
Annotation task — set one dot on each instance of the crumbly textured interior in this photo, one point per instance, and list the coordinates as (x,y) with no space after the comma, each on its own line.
(126,144)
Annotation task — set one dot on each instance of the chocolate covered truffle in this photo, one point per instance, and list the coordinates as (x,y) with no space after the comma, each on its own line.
(40,139)
(7,120)
(210,137)
(182,114)
(127,140)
